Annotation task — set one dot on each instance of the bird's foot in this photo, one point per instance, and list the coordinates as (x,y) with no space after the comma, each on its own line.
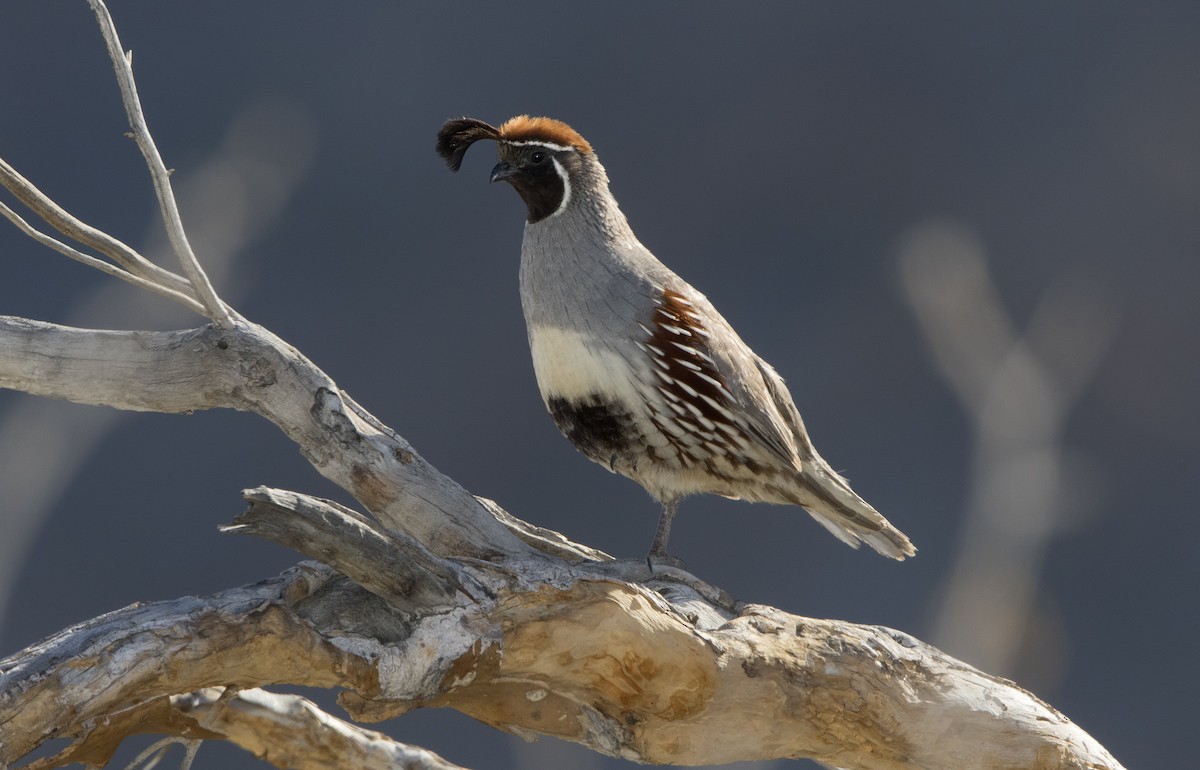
(663,569)
(664,559)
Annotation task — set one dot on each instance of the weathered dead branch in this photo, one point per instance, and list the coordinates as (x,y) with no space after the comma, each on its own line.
(646,670)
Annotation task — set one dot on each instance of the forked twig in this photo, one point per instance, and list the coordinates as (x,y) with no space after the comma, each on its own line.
(99,264)
(127,259)
(123,66)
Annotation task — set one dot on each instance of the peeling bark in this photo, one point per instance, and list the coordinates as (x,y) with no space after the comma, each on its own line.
(581,652)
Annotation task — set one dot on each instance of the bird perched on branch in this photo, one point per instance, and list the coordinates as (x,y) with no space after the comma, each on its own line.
(637,368)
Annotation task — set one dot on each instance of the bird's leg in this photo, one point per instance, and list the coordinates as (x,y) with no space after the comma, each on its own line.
(659,546)
(658,549)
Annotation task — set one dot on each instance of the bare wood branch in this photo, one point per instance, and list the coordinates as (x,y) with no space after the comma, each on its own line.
(250,369)
(31,709)
(238,190)
(74,228)
(399,568)
(123,66)
(98,264)
(294,733)
(286,730)
(559,651)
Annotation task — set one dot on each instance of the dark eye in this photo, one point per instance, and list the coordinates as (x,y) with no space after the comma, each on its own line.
(537,157)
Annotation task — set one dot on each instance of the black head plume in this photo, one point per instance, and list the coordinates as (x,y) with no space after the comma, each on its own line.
(457,135)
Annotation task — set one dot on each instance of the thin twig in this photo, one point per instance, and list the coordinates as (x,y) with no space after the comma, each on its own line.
(99,264)
(153,752)
(123,66)
(193,746)
(72,227)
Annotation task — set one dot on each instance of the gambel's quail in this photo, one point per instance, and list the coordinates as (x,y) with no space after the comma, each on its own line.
(638,369)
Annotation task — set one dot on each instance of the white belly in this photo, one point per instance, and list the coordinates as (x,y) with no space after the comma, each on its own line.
(572,365)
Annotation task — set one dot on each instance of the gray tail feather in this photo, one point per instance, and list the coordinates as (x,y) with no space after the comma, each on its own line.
(850,518)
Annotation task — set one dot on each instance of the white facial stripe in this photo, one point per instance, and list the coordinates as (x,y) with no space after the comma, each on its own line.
(547,145)
(562,174)
(558,168)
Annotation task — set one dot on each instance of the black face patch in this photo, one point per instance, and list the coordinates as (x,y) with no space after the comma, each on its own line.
(599,428)
(535,178)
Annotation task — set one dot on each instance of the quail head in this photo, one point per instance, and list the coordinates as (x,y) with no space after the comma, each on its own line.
(637,368)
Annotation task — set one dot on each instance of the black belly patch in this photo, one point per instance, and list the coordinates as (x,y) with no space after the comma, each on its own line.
(598,427)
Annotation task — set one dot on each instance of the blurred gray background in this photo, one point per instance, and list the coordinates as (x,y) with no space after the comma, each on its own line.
(966,234)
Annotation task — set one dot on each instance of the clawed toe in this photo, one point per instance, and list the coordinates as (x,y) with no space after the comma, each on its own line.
(664,559)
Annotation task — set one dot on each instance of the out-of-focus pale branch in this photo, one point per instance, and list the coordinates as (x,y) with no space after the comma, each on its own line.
(976,344)
(1017,390)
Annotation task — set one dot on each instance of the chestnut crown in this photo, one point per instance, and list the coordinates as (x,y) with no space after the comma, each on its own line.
(459,134)
(537,157)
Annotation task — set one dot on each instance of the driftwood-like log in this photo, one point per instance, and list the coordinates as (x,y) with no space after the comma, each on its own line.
(288,730)
(629,663)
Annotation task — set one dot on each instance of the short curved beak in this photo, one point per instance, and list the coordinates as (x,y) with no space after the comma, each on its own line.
(502,171)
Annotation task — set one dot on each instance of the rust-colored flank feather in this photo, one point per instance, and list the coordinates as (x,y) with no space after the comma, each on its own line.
(524,128)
